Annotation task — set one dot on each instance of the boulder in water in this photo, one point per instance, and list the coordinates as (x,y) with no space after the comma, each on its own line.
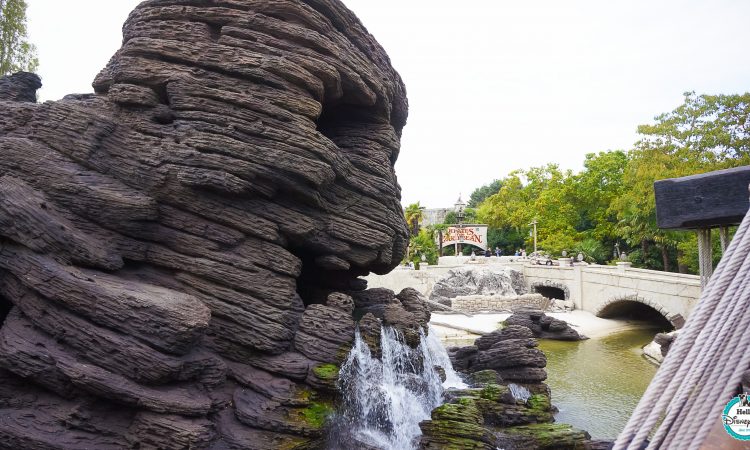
(543,326)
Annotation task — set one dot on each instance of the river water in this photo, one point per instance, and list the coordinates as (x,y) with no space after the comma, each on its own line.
(597,383)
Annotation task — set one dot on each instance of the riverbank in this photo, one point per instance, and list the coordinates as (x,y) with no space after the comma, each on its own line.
(458,327)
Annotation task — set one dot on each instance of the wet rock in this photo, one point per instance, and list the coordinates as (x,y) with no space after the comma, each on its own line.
(456,426)
(542,437)
(369,328)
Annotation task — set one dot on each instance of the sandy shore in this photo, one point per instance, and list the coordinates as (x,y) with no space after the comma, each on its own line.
(582,321)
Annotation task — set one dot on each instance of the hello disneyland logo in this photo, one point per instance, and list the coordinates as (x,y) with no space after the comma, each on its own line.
(736,417)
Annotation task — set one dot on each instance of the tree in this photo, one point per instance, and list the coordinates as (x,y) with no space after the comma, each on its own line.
(705,133)
(483,192)
(543,193)
(16,52)
(470,216)
(414,214)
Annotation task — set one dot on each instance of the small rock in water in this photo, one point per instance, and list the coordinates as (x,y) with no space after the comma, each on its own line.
(544,326)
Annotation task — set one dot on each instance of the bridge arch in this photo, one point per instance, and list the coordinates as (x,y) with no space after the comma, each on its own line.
(551,289)
(636,307)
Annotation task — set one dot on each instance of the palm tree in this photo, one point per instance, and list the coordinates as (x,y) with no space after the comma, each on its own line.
(414,214)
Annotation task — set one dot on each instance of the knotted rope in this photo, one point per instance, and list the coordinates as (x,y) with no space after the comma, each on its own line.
(704,365)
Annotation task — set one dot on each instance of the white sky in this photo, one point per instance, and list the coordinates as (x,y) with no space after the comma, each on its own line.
(493,85)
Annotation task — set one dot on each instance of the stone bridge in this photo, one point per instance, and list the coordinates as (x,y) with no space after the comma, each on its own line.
(607,291)
(610,291)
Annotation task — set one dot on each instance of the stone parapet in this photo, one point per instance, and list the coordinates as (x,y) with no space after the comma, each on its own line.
(497,303)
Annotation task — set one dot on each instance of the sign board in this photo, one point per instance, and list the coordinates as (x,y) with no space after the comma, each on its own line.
(468,234)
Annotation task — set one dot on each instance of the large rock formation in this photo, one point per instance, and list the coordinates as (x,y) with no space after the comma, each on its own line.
(179,250)
(505,282)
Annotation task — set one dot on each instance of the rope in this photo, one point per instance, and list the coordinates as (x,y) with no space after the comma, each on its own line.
(704,366)
(724,237)
(705,258)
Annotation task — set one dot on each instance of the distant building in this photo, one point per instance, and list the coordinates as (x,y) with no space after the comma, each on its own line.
(435,216)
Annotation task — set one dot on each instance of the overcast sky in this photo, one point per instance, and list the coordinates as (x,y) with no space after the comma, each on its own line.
(493,85)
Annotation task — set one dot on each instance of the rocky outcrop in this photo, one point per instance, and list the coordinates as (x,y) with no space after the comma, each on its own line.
(180,251)
(511,352)
(500,282)
(507,405)
(543,326)
(656,350)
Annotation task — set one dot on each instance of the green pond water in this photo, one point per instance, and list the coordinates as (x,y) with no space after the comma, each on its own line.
(597,383)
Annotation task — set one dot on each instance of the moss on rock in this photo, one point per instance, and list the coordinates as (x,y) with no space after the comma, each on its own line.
(316,414)
(326,371)
(544,436)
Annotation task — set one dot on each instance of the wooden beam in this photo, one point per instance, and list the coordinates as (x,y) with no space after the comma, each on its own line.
(708,200)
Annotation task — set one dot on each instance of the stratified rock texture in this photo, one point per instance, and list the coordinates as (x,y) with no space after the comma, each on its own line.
(179,251)
(504,282)
(511,352)
(543,326)
(507,405)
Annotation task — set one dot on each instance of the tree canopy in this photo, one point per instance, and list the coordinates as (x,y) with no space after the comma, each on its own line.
(414,214)
(611,201)
(481,193)
(16,52)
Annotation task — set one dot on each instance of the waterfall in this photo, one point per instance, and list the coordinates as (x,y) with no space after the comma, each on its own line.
(385,399)
(519,392)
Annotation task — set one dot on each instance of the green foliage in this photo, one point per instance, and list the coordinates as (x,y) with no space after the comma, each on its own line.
(414,214)
(546,194)
(481,193)
(705,133)
(612,199)
(470,216)
(16,52)
(424,243)
(593,251)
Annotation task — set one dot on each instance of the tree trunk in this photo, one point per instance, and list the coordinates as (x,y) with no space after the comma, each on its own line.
(681,266)
(644,250)
(665,257)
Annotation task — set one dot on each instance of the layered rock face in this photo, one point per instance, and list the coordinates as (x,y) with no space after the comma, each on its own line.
(504,282)
(179,251)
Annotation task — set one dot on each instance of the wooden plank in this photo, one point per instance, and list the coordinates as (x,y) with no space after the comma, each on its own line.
(707,200)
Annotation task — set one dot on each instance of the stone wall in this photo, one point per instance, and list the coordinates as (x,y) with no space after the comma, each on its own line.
(495,303)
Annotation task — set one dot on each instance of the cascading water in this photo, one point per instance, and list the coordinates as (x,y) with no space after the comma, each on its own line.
(385,399)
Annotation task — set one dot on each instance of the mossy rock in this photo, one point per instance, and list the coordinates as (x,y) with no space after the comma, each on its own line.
(546,436)
(494,392)
(329,372)
(460,412)
(485,377)
(316,414)
(455,435)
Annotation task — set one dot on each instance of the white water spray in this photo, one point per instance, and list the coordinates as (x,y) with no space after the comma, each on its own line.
(385,399)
